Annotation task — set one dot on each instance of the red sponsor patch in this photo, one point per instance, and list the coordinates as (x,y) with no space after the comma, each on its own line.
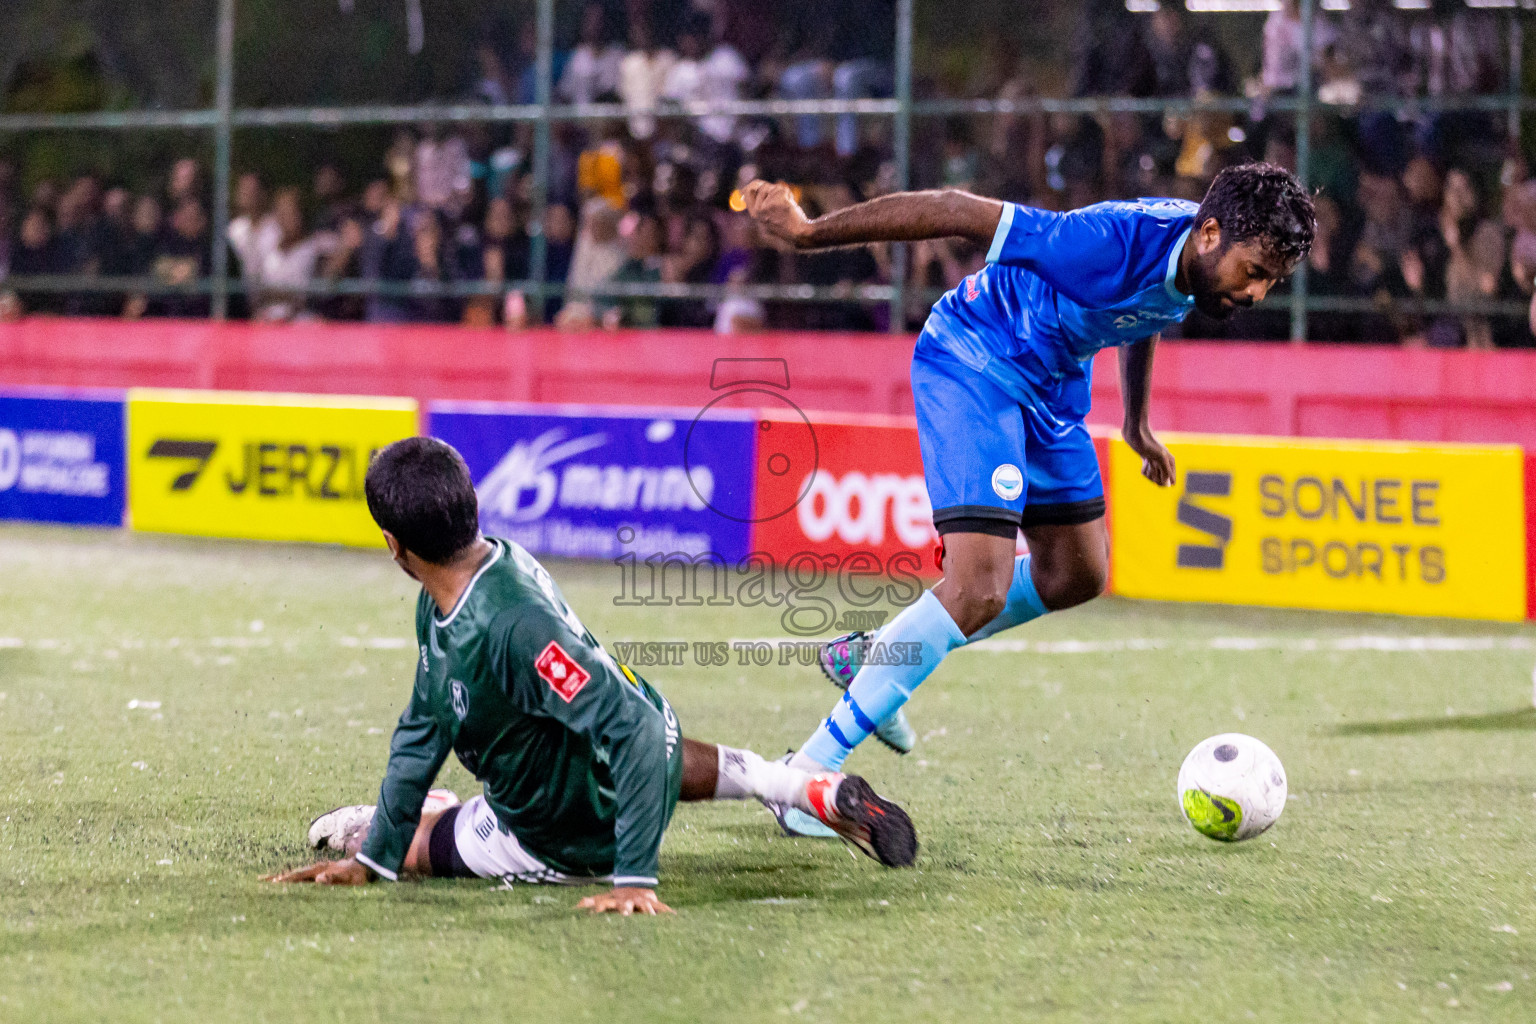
(561,672)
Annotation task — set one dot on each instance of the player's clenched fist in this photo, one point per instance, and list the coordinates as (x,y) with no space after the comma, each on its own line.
(625,901)
(773,206)
(1156,461)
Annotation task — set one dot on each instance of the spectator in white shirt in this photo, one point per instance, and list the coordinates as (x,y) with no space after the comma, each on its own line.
(642,75)
(282,264)
(253,224)
(442,169)
(592,71)
(1281,67)
(717,77)
(599,254)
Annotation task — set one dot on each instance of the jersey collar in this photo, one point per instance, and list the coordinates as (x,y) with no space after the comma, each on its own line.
(1173,271)
(458,605)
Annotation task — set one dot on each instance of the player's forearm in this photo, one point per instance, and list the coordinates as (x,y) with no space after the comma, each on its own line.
(640,780)
(1136,383)
(415,757)
(907,217)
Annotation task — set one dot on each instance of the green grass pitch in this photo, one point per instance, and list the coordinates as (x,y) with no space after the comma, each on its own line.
(1056,881)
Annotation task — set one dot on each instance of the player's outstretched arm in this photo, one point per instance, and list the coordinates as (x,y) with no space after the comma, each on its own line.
(1136,393)
(900,217)
(327,872)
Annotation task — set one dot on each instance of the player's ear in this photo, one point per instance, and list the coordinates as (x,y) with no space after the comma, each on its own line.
(1208,236)
(401,556)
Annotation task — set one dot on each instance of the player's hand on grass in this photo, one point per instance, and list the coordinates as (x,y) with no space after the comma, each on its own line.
(1156,461)
(774,207)
(625,901)
(327,872)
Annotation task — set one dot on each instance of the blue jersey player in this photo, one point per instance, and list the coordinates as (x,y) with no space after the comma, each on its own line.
(1000,380)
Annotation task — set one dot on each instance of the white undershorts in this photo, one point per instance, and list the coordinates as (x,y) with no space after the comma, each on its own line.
(491,851)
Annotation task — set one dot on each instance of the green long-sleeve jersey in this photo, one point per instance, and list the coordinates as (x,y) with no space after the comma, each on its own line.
(580,759)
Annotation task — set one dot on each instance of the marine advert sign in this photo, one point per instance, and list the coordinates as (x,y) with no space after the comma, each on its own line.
(591,483)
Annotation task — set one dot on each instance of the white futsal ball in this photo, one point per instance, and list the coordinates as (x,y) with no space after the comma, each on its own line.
(1232,787)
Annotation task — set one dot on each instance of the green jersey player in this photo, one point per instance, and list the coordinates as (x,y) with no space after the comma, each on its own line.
(581,761)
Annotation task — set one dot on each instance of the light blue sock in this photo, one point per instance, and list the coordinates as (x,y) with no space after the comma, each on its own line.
(878,690)
(1024,604)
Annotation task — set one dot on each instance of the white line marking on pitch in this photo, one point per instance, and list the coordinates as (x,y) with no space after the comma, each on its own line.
(1237,644)
(1382,644)
(1228,644)
(381,643)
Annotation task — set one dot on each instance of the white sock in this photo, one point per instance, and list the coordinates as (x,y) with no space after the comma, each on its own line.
(744,775)
(806,763)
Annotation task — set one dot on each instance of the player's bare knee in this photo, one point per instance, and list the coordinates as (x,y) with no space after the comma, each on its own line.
(975,607)
(1062,590)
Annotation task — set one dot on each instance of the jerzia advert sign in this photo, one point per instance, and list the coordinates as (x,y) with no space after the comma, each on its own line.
(264,467)
(1416,529)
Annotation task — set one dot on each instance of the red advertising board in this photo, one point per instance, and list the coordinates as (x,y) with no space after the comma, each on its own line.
(836,487)
(833,487)
(1361,391)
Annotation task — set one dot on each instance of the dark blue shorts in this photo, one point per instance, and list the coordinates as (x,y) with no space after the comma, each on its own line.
(994,464)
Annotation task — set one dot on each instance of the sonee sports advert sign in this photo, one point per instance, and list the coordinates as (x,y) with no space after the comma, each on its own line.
(1413,529)
(258,466)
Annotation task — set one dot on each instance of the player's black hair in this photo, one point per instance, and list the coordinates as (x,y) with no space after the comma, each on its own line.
(420,490)
(1264,203)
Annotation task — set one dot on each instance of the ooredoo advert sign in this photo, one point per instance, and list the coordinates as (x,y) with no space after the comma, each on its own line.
(836,487)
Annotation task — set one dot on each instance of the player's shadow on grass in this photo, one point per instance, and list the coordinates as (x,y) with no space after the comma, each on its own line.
(1494,721)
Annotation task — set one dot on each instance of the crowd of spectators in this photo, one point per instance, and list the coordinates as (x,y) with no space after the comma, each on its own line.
(1417,204)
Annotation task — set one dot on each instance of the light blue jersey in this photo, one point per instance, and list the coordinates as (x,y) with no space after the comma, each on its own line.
(1000,385)
(1058,288)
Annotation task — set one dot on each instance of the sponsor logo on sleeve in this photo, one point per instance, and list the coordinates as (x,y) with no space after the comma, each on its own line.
(561,671)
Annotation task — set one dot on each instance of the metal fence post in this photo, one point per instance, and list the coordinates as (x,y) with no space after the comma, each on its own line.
(221,158)
(901,142)
(1516,73)
(1303,162)
(544,67)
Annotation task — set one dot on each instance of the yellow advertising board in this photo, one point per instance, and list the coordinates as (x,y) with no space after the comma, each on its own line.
(1413,529)
(258,466)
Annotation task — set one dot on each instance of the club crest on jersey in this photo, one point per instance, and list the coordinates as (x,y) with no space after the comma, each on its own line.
(561,671)
(1007,481)
(460,698)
